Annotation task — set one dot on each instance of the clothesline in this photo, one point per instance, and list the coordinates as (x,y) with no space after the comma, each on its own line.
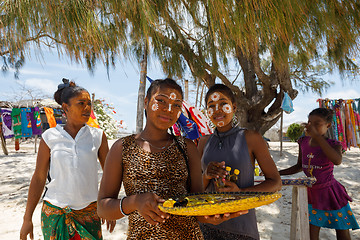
(346,120)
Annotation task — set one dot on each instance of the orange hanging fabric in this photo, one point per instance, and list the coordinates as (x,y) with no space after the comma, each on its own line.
(49,112)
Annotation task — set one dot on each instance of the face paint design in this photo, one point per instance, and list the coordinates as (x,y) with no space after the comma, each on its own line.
(172,96)
(210,112)
(155,107)
(227,108)
(179,113)
(215,97)
(216,107)
(169,107)
(220,124)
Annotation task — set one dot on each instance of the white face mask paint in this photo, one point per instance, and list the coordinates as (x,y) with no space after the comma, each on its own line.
(215,97)
(227,108)
(172,96)
(169,107)
(216,107)
(210,112)
(220,124)
(155,107)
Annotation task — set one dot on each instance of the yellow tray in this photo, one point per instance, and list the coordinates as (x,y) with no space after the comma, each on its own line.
(202,204)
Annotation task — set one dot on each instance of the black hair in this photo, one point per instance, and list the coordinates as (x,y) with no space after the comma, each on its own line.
(67,91)
(325,113)
(220,88)
(163,83)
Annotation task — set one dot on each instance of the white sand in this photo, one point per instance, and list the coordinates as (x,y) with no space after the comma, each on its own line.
(273,220)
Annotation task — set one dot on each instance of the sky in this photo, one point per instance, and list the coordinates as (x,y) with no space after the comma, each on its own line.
(44,73)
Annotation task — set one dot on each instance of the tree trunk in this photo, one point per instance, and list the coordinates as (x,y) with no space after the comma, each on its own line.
(141,93)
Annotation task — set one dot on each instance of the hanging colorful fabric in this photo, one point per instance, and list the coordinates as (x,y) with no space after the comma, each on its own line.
(7,129)
(16,122)
(35,121)
(287,104)
(334,125)
(49,112)
(26,122)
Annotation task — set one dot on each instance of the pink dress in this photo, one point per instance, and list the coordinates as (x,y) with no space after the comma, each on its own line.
(328,199)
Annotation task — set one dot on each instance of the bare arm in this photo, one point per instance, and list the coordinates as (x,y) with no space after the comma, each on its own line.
(36,188)
(194,166)
(103,150)
(295,168)
(258,150)
(201,145)
(332,153)
(109,204)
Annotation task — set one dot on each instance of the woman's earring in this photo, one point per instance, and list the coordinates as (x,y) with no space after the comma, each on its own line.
(235,121)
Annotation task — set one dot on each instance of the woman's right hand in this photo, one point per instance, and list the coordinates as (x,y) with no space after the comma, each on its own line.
(147,206)
(215,170)
(26,228)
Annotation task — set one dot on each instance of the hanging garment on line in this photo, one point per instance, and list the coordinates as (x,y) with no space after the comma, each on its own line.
(7,123)
(25,122)
(16,121)
(49,112)
(35,121)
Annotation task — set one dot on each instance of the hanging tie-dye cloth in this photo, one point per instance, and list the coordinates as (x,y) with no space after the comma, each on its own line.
(7,123)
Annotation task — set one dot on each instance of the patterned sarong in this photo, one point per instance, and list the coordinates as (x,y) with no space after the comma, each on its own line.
(16,119)
(63,223)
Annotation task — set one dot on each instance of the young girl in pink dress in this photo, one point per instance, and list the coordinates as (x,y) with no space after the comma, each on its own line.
(328,201)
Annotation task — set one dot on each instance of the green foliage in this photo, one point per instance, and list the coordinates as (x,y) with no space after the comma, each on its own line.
(294,132)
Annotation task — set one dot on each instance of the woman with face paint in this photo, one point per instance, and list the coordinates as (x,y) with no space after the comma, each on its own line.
(67,157)
(238,148)
(153,165)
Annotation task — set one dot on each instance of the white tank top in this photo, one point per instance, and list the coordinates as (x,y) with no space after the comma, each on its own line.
(73,166)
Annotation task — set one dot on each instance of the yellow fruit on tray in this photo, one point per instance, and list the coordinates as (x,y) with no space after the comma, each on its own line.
(217,203)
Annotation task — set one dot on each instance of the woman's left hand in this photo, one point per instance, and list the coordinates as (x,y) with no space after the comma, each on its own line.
(229,187)
(220,218)
(110,224)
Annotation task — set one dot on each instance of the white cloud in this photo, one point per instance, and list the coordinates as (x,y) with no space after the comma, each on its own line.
(44,85)
(345,94)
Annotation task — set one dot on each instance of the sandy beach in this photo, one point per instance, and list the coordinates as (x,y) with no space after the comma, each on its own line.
(273,220)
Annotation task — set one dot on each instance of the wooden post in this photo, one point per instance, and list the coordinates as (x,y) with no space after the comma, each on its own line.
(299,229)
(141,93)
(281,131)
(3,143)
(186,97)
(35,143)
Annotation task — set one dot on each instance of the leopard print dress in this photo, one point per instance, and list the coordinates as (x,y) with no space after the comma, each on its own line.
(165,174)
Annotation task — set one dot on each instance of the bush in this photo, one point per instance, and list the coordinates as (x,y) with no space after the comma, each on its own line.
(294,132)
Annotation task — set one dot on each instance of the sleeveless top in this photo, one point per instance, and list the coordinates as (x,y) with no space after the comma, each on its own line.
(165,174)
(232,148)
(73,166)
(326,193)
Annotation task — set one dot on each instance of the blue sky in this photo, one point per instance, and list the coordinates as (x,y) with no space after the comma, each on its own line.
(45,73)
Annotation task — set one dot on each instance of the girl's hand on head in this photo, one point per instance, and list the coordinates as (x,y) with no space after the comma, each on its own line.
(147,206)
(215,170)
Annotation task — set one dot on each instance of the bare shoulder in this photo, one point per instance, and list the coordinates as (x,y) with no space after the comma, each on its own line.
(203,140)
(252,135)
